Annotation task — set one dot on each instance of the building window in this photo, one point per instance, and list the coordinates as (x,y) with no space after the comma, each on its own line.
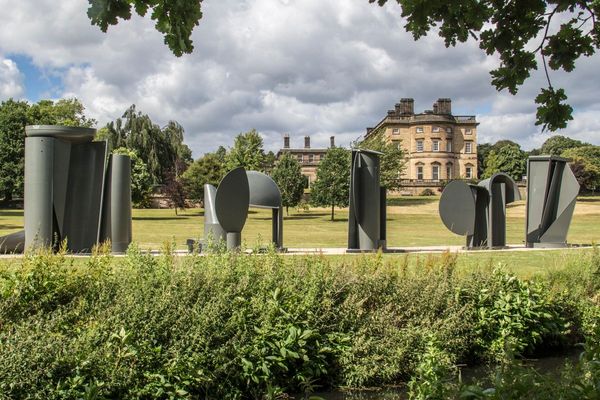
(469,172)
(448,171)
(435,129)
(468,147)
(449,146)
(435,146)
(435,172)
(419,172)
(396,131)
(419,146)
(396,143)
(419,129)
(448,130)
(311,158)
(468,131)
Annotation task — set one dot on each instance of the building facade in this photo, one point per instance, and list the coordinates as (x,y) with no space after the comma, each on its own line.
(439,146)
(308,157)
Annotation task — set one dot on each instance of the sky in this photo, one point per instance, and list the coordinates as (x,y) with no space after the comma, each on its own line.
(301,67)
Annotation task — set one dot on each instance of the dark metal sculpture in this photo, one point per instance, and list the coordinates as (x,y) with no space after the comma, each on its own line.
(226,208)
(551,196)
(71,194)
(366,221)
(479,211)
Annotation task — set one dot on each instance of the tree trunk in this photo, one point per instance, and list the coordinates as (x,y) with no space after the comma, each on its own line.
(332,209)
(287,211)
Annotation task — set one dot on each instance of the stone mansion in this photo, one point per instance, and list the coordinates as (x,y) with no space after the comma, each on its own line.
(439,146)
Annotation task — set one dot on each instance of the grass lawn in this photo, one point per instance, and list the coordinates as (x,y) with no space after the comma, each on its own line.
(412,221)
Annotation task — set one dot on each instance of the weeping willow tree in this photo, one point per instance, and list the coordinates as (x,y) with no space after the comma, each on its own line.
(161,149)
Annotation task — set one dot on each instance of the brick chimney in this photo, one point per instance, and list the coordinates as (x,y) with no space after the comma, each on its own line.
(286,141)
(332,141)
(307,142)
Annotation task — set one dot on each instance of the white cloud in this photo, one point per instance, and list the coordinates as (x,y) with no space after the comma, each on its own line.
(287,66)
(11,79)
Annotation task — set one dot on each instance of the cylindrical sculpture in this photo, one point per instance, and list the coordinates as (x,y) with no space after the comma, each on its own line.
(39,162)
(365,231)
(120,203)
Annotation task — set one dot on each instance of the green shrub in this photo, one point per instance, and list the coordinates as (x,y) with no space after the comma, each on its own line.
(232,326)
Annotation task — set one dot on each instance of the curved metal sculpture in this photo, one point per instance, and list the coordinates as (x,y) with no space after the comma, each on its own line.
(366,221)
(71,194)
(479,211)
(226,208)
(551,196)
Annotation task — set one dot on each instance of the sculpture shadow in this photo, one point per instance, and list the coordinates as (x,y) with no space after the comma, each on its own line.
(409,201)
(173,218)
(8,226)
(11,213)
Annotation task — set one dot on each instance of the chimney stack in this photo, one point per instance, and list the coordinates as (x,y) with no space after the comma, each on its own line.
(407,106)
(286,141)
(332,141)
(444,106)
(307,142)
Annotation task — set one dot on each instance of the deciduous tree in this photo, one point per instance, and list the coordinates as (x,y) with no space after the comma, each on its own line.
(13,119)
(247,152)
(556,145)
(288,176)
(392,162)
(585,165)
(332,186)
(141,181)
(509,159)
(208,169)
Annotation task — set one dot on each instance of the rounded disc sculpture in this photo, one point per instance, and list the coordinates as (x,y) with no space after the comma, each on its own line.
(479,211)
(231,205)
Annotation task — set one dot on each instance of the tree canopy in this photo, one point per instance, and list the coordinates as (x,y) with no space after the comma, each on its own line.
(585,165)
(392,162)
(247,152)
(556,145)
(162,150)
(332,186)
(288,176)
(141,181)
(509,159)
(208,169)
(14,116)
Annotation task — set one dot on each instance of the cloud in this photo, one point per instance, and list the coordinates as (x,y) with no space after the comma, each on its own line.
(11,79)
(299,67)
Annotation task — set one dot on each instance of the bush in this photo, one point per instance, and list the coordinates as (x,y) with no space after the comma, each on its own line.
(427,192)
(231,326)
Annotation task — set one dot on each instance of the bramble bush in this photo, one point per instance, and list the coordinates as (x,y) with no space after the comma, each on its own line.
(232,326)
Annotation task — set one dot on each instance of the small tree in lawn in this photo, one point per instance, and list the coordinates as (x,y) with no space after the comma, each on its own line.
(174,191)
(332,186)
(289,178)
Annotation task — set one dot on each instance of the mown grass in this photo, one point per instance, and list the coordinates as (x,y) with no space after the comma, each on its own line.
(412,221)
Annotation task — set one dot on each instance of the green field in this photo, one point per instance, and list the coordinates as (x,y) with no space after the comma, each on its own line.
(412,221)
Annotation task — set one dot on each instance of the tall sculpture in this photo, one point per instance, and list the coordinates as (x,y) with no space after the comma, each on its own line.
(71,193)
(226,207)
(366,222)
(479,211)
(551,196)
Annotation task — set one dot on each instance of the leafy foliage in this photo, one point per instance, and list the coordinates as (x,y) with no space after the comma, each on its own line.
(509,30)
(288,176)
(557,144)
(174,19)
(161,150)
(14,116)
(508,158)
(332,186)
(229,326)
(174,190)
(141,181)
(247,152)
(208,169)
(392,162)
(585,165)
